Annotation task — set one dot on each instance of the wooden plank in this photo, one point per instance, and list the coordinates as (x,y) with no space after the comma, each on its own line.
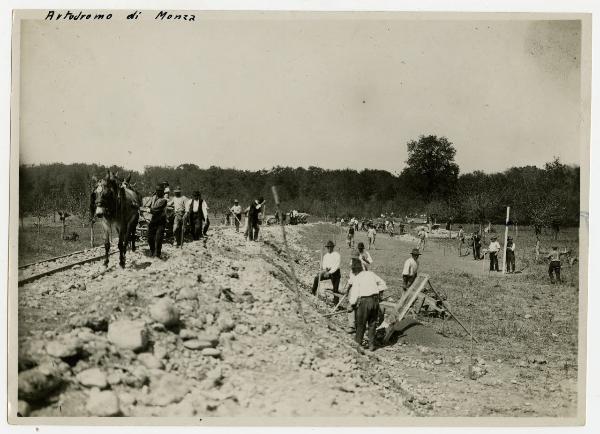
(406,302)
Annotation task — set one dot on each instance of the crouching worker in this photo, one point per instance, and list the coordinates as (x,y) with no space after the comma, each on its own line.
(410,269)
(330,270)
(366,290)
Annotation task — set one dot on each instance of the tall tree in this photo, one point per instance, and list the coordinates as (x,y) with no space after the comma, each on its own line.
(431,169)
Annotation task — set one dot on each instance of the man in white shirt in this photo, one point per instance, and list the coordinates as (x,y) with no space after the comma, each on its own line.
(366,289)
(178,204)
(205,217)
(236,210)
(493,250)
(371,234)
(410,269)
(330,270)
(422,236)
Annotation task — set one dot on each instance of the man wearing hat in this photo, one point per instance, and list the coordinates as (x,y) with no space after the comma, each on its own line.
(510,255)
(330,270)
(410,269)
(156,227)
(366,290)
(493,250)
(177,203)
(236,210)
(253,216)
(195,215)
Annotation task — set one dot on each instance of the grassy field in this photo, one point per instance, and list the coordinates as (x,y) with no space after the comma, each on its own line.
(515,317)
(47,243)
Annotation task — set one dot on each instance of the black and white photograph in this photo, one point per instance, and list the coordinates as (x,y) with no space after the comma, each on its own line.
(298,218)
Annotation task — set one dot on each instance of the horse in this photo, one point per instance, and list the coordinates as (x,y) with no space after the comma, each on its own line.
(116,204)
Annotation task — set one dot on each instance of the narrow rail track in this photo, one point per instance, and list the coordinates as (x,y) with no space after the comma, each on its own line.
(32,277)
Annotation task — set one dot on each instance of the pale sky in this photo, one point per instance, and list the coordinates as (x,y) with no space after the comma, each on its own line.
(253,94)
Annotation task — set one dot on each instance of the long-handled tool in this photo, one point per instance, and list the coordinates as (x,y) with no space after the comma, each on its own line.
(289,257)
(320,266)
(451,314)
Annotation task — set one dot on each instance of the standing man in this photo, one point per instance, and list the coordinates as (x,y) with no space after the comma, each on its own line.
(410,269)
(205,218)
(351,235)
(156,227)
(554,267)
(195,216)
(253,215)
(461,239)
(236,210)
(330,269)
(422,236)
(366,290)
(371,234)
(476,243)
(364,256)
(510,255)
(179,209)
(493,250)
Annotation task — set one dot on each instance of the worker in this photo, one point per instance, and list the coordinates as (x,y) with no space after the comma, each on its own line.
(476,244)
(253,216)
(371,234)
(461,239)
(330,270)
(422,235)
(554,267)
(236,210)
(510,255)
(156,227)
(410,269)
(179,209)
(350,235)
(364,256)
(195,215)
(366,291)
(493,250)
(205,218)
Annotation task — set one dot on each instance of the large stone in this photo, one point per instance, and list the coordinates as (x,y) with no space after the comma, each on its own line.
(164,312)
(128,335)
(150,361)
(64,347)
(225,323)
(38,383)
(211,352)
(197,344)
(187,294)
(168,389)
(92,377)
(94,321)
(105,403)
(186,334)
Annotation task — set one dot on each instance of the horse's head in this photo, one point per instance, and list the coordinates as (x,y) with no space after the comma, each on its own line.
(107,190)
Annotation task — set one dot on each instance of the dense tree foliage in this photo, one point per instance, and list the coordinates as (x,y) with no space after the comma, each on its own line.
(537,195)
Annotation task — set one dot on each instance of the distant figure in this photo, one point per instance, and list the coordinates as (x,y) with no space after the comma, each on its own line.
(555,229)
(156,227)
(205,217)
(554,267)
(195,216)
(178,204)
(410,269)
(461,239)
(510,255)
(350,235)
(253,217)
(422,236)
(493,250)
(371,234)
(476,244)
(236,210)
(364,256)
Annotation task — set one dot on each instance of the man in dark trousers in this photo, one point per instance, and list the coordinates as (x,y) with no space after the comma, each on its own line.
(253,216)
(366,290)
(156,227)
(476,246)
(330,270)
(195,216)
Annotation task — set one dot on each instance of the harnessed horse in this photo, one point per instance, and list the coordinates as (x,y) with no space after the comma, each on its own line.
(116,204)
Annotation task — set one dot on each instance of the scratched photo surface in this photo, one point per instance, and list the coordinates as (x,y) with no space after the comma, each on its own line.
(230,215)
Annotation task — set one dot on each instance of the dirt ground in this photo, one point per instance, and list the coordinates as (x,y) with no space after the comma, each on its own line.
(271,362)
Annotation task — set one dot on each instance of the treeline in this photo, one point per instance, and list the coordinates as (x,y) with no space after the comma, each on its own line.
(540,196)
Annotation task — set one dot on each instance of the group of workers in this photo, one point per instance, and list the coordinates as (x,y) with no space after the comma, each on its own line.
(364,288)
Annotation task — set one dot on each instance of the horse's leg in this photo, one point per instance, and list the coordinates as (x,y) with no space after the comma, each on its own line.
(122,245)
(107,229)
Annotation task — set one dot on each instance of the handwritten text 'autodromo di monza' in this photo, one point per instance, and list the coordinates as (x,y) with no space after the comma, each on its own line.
(101,16)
